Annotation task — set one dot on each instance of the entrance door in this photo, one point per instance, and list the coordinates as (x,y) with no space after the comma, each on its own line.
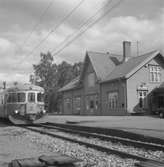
(142,98)
(92,104)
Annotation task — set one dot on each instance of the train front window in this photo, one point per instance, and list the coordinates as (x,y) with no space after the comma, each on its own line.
(21,97)
(12,98)
(31,97)
(40,97)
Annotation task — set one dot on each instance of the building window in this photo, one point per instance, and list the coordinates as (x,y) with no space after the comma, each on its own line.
(113,100)
(92,102)
(91,80)
(68,103)
(77,103)
(155,73)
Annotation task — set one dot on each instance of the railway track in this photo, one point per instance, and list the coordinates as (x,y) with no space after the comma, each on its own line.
(114,139)
(110,132)
(53,132)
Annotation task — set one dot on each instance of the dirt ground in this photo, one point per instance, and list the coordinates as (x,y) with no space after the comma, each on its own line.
(149,126)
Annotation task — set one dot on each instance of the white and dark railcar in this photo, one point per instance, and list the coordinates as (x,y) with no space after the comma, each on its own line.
(22,103)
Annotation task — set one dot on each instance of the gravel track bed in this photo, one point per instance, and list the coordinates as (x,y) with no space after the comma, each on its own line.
(157,155)
(118,146)
(89,157)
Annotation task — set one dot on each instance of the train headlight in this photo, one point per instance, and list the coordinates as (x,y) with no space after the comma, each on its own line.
(16,111)
(44,111)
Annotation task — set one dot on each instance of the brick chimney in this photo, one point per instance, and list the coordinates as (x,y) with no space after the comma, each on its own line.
(126,50)
(4,84)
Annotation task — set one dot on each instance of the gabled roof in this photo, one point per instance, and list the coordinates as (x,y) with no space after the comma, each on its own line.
(71,85)
(103,63)
(128,68)
(109,67)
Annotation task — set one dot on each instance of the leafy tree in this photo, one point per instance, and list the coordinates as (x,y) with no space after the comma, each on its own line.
(52,77)
(45,72)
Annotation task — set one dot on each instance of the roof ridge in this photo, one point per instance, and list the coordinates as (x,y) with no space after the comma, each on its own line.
(98,52)
(144,54)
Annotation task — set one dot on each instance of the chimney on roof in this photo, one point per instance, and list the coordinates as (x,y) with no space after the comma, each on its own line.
(126,50)
(4,84)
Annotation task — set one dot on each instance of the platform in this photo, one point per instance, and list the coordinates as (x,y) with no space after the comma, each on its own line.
(146,125)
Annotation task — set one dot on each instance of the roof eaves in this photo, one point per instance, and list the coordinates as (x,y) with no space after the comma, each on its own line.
(69,89)
(114,79)
(85,60)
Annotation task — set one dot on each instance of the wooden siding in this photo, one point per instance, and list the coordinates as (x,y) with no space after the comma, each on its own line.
(90,91)
(115,86)
(71,94)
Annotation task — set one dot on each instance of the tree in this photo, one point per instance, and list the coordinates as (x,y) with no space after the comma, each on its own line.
(46,72)
(52,77)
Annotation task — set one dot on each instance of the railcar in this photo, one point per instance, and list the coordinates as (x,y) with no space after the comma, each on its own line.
(22,103)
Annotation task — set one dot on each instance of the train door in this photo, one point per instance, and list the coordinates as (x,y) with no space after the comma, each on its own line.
(31,106)
(3,110)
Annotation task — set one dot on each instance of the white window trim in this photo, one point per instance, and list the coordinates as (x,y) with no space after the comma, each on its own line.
(154,73)
(113,99)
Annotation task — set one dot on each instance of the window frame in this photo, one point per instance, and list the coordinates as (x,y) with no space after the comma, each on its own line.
(113,101)
(91,79)
(154,73)
(68,103)
(34,97)
(24,97)
(11,101)
(42,96)
(77,102)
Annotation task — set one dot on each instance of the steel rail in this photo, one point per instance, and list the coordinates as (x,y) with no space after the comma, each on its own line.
(93,146)
(111,132)
(113,139)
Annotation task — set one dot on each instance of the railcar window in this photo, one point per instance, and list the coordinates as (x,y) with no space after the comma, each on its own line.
(40,97)
(31,97)
(12,98)
(21,97)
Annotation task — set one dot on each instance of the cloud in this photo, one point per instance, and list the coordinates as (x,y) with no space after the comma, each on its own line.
(5,46)
(13,77)
(132,20)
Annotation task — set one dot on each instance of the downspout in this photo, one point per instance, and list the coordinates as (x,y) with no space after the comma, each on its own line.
(100,97)
(126,91)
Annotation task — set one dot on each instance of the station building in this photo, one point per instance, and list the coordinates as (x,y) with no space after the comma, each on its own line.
(113,84)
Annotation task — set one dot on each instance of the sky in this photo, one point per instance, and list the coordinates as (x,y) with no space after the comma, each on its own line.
(131,20)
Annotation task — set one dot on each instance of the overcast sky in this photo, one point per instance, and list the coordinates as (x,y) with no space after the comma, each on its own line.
(133,20)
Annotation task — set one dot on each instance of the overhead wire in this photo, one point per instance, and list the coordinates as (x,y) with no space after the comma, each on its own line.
(85,23)
(39,21)
(85,27)
(35,26)
(57,26)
